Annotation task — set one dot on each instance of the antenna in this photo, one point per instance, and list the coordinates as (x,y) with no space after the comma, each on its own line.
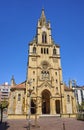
(43,4)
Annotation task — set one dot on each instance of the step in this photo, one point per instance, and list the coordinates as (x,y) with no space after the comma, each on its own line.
(47,115)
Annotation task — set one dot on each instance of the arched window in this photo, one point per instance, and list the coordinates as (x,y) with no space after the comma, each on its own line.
(44,50)
(45,74)
(68,98)
(19,97)
(47,51)
(54,51)
(44,37)
(56,81)
(55,73)
(41,50)
(34,49)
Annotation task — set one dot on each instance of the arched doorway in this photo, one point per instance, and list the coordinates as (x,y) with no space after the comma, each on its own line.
(57,104)
(45,102)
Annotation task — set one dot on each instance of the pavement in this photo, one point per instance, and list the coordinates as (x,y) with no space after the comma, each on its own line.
(46,123)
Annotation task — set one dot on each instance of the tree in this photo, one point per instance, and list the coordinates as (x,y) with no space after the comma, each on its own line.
(81,107)
(3,104)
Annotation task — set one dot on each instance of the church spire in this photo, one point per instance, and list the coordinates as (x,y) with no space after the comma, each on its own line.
(43,18)
(13,81)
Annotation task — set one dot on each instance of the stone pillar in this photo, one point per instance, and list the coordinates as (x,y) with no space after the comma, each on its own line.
(27,108)
(63,106)
(52,106)
(25,105)
(39,106)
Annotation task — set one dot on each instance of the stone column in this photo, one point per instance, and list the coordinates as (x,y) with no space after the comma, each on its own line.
(63,103)
(25,105)
(39,106)
(52,106)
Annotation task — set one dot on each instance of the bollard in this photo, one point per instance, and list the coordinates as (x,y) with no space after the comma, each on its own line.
(63,126)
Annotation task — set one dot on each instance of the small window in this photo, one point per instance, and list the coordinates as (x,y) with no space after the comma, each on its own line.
(57,88)
(55,73)
(19,97)
(54,51)
(68,98)
(34,49)
(33,72)
(56,81)
(33,79)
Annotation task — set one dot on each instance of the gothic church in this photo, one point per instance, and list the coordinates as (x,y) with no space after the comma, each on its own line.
(44,91)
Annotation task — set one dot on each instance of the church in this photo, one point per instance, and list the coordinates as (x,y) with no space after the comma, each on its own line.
(43,91)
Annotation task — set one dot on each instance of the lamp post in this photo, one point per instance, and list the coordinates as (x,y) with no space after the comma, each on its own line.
(29,111)
(75,94)
(1,113)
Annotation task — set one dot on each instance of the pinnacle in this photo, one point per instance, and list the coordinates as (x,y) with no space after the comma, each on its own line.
(43,18)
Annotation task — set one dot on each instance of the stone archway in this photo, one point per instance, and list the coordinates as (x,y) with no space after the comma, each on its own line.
(45,102)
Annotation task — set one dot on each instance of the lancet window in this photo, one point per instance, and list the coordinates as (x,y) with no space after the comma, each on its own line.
(54,51)
(34,49)
(44,37)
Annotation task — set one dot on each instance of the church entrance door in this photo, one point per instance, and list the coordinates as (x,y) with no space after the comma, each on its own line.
(45,102)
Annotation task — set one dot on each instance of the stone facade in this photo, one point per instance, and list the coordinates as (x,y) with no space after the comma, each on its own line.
(43,89)
(17,99)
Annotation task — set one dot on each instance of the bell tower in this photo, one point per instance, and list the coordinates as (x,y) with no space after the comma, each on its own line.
(44,68)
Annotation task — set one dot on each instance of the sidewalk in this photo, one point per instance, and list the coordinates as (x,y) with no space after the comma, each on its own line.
(45,124)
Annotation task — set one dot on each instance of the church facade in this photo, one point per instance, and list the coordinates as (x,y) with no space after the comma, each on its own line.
(44,91)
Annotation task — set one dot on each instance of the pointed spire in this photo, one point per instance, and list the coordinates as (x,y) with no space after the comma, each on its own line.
(43,15)
(13,81)
(43,18)
(70,84)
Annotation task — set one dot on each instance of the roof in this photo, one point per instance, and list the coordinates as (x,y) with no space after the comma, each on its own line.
(19,86)
(78,87)
(82,87)
(67,88)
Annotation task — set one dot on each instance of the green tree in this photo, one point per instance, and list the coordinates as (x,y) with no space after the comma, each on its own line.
(81,107)
(3,104)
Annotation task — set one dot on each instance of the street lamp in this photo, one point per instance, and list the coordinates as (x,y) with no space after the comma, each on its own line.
(29,111)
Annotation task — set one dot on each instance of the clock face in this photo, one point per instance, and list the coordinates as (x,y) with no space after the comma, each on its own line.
(43,28)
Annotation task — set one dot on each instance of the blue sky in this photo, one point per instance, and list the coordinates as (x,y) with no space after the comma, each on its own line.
(18,21)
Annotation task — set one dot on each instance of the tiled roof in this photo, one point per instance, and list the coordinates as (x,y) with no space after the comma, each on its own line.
(19,86)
